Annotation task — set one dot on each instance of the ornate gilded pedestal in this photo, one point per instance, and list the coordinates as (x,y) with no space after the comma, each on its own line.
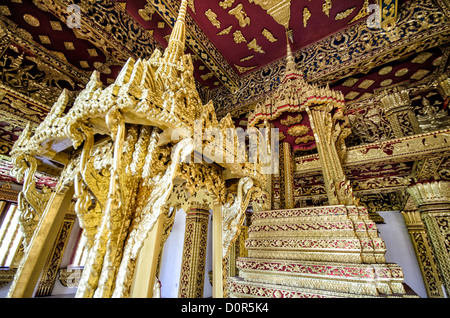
(433,201)
(331,251)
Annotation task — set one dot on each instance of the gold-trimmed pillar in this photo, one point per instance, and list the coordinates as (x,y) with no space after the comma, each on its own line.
(424,253)
(192,275)
(40,245)
(286,176)
(433,202)
(147,262)
(217,250)
(401,116)
(48,277)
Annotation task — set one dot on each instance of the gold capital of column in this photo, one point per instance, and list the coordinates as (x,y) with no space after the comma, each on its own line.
(433,202)
(397,106)
(424,254)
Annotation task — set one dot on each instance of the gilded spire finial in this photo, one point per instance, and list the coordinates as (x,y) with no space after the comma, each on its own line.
(177,38)
(175,48)
(290,65)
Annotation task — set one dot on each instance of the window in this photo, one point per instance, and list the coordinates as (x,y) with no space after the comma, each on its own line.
(10,236)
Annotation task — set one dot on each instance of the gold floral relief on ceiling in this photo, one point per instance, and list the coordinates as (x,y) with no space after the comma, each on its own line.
(279,10)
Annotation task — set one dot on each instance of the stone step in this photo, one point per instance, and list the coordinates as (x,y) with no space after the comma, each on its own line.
(323,211)
(312,227)
(239,288)
(361,279)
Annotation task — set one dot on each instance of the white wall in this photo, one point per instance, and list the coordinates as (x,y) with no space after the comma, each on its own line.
(173,255)
(400,249)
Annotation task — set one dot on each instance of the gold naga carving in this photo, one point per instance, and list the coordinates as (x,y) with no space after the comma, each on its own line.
(30,201)
(142,163)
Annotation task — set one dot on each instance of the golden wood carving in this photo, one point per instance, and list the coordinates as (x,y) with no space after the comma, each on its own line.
(130,178)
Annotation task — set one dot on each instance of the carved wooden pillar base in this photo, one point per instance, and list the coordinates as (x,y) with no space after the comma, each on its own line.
(433,202)
(424,253)
(194,254)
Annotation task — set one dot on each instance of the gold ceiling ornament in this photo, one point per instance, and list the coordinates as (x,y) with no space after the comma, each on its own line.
(366,84)
(306,16)
(364,12)
(212,17)
(386,82)
(401,72)
(252,45)
(226,3)
(304,139)
(31,20)
(225,31)
(422,58)
(238,37)
(191,4)
(207,76)
(56,25)
(385,70)
(292,120)
(44,39)
(147,12)
(344,14)
(243,69)
(4,10)
(246,58)
(350,82)
(326,7)
(298,130)
(280,11)
(437,61)
(269,36)
(419,74)
(240,15)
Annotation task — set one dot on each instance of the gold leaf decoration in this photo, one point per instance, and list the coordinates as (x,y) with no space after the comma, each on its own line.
(247,58)
(362,13)
(31,20)
(225,31)
(306,16)
(240,15)
(344,14)
(290,120)
(212,17)
(238,37)
(326,6)
(304,139)
(298,131)
(226,3)
(254,46)
(243,69)
(269,36)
